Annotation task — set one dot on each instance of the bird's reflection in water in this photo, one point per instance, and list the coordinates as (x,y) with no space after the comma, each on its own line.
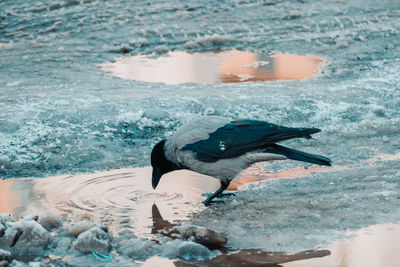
(161,226)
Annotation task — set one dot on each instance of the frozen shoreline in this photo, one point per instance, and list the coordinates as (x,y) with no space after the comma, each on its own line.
(145,231)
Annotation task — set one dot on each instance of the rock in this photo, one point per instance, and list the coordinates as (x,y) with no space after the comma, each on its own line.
(5,217)
(137,248)
(80,227)
(186,250)
(5,257)
(2,230)
(202,236)
(32,239)
(10,234)
(49,220)
(60,246)
(30,217)
(94,239)
(16,263)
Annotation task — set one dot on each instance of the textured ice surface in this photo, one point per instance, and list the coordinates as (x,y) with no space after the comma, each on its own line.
(59,113)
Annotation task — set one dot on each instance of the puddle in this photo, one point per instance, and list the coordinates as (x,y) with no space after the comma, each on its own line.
(215,67)
(123,198)
(120,199)
(375,245)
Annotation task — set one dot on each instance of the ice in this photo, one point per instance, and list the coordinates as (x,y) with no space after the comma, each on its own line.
(137,248)
(61,114)
(5,257)
(5,217)
(16,263)
(9,233)
(94,239)
(33,238)
(186,250)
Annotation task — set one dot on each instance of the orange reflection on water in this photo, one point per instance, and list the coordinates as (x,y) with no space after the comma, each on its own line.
(215,67)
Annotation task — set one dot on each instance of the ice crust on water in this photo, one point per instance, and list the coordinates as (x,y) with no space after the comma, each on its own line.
(288,214)
(64,115)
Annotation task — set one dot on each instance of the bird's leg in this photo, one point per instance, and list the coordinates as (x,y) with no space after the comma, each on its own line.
(224,185)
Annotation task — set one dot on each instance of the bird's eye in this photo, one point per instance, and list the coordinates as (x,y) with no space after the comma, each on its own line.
(222,146)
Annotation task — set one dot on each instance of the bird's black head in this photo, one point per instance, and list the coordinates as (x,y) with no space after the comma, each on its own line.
(161,165)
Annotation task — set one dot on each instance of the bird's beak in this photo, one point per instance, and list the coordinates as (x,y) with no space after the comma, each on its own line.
(156,177)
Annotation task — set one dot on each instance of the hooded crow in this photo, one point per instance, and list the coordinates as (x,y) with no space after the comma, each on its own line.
(222,148)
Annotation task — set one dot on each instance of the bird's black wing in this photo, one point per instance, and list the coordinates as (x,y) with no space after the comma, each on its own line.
(239,137)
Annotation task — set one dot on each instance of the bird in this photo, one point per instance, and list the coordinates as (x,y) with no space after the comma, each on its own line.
(221,147)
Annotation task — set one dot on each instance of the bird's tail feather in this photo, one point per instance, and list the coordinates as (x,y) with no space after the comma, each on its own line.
(298,155)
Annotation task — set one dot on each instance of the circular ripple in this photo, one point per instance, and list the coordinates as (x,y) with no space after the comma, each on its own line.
(124,198)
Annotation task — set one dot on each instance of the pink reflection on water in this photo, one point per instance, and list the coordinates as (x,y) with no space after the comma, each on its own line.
(373,246)
(215,67)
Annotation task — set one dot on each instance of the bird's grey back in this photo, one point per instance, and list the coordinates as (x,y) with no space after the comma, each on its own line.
(192,132)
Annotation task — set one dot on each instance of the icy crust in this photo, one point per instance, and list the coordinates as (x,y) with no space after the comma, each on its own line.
(304,213)
(62,114)
(69,133)
(86,243)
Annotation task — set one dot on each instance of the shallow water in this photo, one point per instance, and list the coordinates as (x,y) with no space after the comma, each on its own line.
(373,246)
(121,199)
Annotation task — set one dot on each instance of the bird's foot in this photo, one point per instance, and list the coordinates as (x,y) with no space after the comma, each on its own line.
(208,202)
(211,199)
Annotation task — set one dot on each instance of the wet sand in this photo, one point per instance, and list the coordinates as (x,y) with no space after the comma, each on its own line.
(215,67)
